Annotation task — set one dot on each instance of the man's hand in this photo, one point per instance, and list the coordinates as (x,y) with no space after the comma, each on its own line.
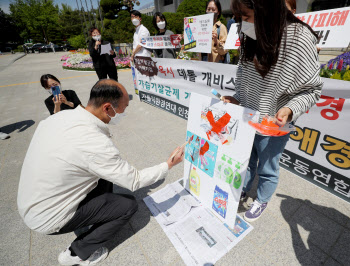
(177,158)
(230,99)
(283,116)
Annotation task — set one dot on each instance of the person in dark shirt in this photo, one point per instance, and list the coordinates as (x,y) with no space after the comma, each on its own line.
(103,63)
(67,99)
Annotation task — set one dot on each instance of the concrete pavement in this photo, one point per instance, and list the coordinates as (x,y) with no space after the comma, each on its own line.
(302,224)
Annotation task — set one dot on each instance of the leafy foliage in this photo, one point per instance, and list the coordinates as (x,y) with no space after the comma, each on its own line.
(78,41)
(192,8)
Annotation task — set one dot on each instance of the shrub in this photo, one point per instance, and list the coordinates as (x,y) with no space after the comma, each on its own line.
(78,41)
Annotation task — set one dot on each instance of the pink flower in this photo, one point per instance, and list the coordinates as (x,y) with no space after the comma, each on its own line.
(340,66)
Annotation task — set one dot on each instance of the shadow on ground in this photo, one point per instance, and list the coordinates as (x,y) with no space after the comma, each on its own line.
(315,225)
(20,126)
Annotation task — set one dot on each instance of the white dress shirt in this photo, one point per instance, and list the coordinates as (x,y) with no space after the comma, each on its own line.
(141,32)
(69,152)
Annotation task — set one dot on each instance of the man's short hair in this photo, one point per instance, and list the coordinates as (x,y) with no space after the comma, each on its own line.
(135,13)
(105,91)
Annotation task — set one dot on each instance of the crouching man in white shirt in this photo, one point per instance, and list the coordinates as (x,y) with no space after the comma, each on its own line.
(67,175)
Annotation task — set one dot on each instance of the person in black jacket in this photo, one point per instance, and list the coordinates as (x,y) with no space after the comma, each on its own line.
(103,63)
(67,99)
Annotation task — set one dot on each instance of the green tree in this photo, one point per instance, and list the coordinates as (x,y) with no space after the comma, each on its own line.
(192,8)
(69,22)
(78,41)
(35,16)
(112,7)
(9,30)
(175,22)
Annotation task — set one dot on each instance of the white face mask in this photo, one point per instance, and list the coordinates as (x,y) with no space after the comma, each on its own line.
(116,118)
(248,29)
(96,37)
(161,25)
(135,21)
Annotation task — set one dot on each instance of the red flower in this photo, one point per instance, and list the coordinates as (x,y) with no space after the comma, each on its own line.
(340,66)
(331,66)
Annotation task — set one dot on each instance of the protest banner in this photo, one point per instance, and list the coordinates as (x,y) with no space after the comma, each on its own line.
(220,141)
(332,26)
(168,83)
(162,42)
(319,151)
(198,33)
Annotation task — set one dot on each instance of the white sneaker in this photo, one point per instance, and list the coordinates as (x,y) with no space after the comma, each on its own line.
(4,135)
(65,257)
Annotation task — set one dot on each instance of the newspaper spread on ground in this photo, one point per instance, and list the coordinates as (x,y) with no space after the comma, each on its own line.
(197,234)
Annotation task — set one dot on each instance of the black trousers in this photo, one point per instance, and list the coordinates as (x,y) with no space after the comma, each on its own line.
(106,212)
(104,71)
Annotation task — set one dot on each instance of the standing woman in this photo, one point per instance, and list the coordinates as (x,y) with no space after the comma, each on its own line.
(219,34)
(278,75)
(103,63)
(160,24)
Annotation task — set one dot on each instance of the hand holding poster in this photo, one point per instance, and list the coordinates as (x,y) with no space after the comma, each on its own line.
(198,33)
(162,42)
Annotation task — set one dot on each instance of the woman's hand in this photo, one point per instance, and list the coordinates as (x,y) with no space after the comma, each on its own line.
(283,116)
(230,99)
(63,99)
(111,52)
(97,43)
(215,37)
(57,100)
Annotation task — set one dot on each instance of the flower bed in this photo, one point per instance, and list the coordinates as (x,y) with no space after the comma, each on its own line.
(80,60)
(337,68)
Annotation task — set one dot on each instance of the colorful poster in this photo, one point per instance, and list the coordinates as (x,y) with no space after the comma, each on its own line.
(162,42)
(198,33)
(168,83)
(319,150)
(217,156)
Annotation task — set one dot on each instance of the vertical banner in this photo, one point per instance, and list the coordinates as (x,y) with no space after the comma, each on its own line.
(216,158)
(134,78)
(168,83)
(319,150)
(198,33)
(232,41)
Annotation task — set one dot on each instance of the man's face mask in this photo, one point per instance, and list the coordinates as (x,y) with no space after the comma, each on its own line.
(248,29)
(135,21)
(116,118)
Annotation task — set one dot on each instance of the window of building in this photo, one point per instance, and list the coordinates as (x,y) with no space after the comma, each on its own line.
(168,2)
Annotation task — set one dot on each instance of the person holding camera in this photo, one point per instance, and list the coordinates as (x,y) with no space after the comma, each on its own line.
(103,63)
(62,100)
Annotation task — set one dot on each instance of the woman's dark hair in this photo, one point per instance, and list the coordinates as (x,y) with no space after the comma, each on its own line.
(44,79)
(161,16)
(92,30)
(135,13)
(218,5)
(270,21)
(292,4)
(105,91)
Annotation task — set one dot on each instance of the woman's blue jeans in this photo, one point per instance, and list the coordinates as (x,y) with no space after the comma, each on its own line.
(264,160)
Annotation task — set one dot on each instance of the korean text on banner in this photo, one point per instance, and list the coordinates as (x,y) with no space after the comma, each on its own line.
(198,33)
(319,151)
(162,42)
(217,156)
(332,26)
(232,41)
(168,83)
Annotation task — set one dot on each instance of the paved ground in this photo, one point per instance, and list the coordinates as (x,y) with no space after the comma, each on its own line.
(302,225)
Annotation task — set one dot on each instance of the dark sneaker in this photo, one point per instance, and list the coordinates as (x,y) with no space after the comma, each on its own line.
(255,211)
(243,196)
